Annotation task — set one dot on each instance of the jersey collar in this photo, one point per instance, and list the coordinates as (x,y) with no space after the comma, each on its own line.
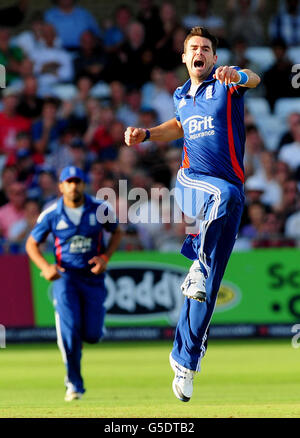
(86,205)
(185,88)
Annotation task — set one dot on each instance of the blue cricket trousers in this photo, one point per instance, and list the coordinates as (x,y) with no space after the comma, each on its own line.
(79,315)
(217,206)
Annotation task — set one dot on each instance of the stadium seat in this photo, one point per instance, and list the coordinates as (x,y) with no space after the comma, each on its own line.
(258,107)
(64,91)
(101,90)
(285,106)
(271,129)
(223,56)
(262,56)
(294,54)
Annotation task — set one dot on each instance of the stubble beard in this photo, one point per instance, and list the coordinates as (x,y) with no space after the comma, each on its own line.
(75,198)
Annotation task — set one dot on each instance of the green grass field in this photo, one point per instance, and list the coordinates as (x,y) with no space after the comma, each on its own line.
(239,379)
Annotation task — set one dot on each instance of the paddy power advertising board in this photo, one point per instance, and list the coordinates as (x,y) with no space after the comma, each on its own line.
(259,295)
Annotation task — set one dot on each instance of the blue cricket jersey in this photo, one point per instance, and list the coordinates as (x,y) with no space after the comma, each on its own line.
(74,244)
(213,125)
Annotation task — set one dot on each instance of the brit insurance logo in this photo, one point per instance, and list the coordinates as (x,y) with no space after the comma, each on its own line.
(199,126)
(144,293)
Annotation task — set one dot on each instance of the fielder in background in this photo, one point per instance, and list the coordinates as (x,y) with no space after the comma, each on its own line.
(209,114)
(78,275)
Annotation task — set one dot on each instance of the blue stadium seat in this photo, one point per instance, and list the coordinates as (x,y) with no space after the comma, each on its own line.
(262,56)
(285,106)
(64,91)
(223,56)
(294,54)
(257,106)
(271,128)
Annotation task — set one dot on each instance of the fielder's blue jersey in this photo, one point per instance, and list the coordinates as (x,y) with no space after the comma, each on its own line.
(213,125)
(74,244)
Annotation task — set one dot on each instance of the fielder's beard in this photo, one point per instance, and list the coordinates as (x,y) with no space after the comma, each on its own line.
(76,198)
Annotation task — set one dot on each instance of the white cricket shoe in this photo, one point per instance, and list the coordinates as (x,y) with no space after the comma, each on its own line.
(72,395)
(194,285)
(183,381)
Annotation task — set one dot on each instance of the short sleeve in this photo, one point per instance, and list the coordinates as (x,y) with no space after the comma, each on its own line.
(42,228)
(175,100)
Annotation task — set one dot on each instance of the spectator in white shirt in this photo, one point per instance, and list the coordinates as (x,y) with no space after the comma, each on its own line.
(52,64)
(290,153)
(292,226)
(266,174)
(32,39)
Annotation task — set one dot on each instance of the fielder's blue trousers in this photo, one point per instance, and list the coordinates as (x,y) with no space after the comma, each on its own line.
(218,206)
(79,312)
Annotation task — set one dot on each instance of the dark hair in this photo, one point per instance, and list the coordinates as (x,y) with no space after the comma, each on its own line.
(57,1)
(202,32)
(23,134)
(251,127)
(51,101)
(34,200)
(279,42)
(37,16)
(123,6)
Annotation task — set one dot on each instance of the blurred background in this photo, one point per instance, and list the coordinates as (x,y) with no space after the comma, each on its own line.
(77,74)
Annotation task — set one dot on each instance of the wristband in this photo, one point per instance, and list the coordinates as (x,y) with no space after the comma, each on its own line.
(104,257)
(243,78)
(147,136)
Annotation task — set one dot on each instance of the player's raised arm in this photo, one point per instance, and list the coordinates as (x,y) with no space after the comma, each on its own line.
(167,131)
(244,78)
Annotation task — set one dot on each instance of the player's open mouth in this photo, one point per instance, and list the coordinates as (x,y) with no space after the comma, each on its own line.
(198,63)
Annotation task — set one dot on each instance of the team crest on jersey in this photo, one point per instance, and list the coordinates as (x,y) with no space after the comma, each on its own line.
(208,93)
(182,103)
(80,244)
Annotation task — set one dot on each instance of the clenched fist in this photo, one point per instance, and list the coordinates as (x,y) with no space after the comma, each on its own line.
(52,272)
(134,135)
(226,75)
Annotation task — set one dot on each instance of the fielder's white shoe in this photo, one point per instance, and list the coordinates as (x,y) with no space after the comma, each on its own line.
(193,285)
(72,395)
(183,381)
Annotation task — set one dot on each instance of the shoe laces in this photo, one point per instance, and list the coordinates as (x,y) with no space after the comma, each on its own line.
(184,373)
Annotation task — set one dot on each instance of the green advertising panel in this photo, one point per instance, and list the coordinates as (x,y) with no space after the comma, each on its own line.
(259,287)
(41,292)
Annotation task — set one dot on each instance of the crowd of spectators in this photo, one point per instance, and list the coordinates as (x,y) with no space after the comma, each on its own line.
(73,85)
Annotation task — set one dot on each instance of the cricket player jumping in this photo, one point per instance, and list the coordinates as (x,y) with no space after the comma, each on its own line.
(210,116)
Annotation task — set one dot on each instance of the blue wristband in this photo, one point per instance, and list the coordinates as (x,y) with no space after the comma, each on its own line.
(147,136)
(244,78)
